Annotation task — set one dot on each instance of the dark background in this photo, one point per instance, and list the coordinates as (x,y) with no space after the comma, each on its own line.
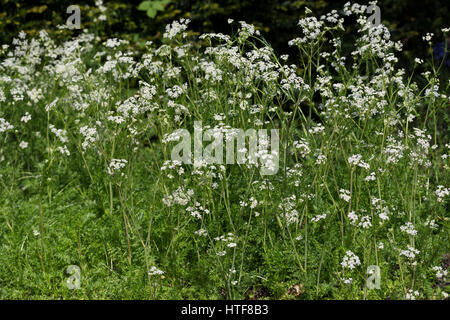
(408,20)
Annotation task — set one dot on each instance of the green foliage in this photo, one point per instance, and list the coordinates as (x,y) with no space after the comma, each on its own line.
(408,20)
(152,7)
(219,232)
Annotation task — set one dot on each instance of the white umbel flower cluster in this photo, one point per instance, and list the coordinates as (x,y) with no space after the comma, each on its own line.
(155,271)
(409,229)
(177,27)
(412,295)
(318,217)
(90,136)
(440,272)
(410,253)
(5,125)
(355,160)
(179,196)
(350,260)
(441,192)
(116,165)
(287,206)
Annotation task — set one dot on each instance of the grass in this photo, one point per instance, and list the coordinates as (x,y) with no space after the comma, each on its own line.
(89,180)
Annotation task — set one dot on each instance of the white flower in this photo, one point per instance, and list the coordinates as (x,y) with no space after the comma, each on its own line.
(344,195)
(365,222)
(116,119)
(353,217)
(175,28)
(411,295)
(321,158)
(356,160)
(90,136)
(201,232)
(51,105)
(287,206)
(26,117)
(350,260)
(347,281)
(23,145)
(318,217)
(179,196)
(115,165)
(60,133)
(410,253)
(431,223)
(409,229)
(428,36)
(64,150)
(111,43)
(253,203)
(441,192)
(303,147)
(440,272)
(5,125)
(35,95)
(370,177)
(155,271)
